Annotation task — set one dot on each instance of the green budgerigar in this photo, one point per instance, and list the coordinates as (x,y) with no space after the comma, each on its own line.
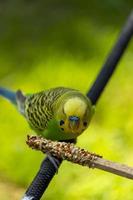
(56,114)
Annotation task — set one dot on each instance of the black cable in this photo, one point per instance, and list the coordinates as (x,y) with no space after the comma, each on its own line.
(112,61)
(47,169)
(42,179)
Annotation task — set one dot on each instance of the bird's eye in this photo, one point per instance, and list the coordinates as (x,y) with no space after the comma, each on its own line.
(85,123)
(61,122)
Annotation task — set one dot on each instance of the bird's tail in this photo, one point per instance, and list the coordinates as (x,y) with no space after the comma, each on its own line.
(8,94)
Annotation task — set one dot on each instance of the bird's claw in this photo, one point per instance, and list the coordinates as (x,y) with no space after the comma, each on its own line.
(54,161)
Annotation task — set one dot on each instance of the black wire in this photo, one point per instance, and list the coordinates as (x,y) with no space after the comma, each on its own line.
(47,169)
(42,179)
(111,62)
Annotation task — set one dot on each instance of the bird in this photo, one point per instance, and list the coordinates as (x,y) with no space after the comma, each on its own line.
(57,114)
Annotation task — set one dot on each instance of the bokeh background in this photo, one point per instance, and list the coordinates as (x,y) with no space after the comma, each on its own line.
(45,44)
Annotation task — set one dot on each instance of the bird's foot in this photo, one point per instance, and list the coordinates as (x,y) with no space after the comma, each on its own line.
(54,161)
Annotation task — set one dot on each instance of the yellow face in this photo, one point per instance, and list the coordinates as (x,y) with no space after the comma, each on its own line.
(75,116)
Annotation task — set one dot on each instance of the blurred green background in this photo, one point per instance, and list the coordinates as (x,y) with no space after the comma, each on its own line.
(45,44)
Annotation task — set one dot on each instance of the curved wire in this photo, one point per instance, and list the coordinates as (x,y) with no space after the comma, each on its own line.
(47,169)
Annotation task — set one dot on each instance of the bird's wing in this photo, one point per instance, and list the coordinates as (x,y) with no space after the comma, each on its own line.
(20,98)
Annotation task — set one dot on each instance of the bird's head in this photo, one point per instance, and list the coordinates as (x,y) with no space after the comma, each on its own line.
(74,115)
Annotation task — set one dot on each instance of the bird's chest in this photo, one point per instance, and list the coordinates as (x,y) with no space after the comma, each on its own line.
(54,132)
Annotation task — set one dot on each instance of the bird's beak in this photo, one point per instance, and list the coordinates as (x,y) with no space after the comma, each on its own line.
(74,122)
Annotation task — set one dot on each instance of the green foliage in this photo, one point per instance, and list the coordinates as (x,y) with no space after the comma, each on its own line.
(45,45)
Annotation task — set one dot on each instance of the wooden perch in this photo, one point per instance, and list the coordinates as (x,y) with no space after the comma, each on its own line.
(68,151)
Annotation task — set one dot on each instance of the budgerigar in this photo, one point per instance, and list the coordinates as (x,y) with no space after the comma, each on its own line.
(56,114)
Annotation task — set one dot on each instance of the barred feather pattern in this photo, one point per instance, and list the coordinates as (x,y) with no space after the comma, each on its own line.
(39,107)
